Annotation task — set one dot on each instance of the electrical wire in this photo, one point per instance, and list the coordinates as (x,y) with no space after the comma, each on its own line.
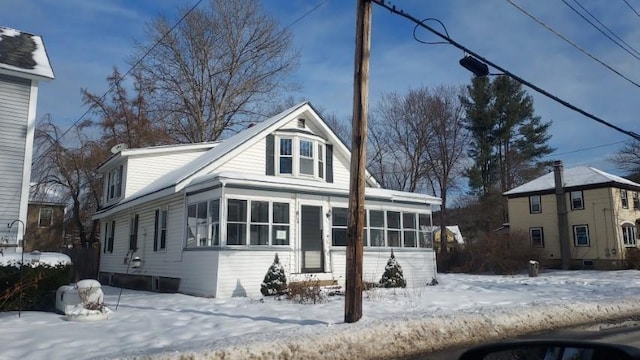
(392,8)
(631,7)
(585,52)
(415,37)
(600,30)
(584,149)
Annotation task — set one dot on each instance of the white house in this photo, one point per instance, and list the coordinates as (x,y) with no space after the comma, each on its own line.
(23,64)
(207,219)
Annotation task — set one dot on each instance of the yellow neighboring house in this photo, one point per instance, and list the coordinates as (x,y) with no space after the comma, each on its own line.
(454,237)
(602,216)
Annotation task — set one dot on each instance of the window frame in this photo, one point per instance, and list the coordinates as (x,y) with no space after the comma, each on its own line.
(636,200)
(572,200)
(340,227)
(624,198)
(40,217)
(532,203)
(160,229)
(541,237)
(629,235)
(134,228)
(317,154)
(273,225)
(109,236)
(290,155)
(113,182)
(203,224)
(575,235)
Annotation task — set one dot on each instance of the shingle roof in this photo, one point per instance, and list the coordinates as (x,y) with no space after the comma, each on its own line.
(24,53)
(573,177)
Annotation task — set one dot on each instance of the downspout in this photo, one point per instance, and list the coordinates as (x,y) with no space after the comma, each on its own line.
(563,220)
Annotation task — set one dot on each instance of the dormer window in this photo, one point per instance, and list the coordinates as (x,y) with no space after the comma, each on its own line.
(114,184)
(300,156)
(286,156)
(306,157)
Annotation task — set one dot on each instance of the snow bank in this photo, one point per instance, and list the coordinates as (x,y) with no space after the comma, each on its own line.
(405,337)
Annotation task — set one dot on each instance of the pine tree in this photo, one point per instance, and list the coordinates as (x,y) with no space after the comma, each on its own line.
(393,276)
(275,281)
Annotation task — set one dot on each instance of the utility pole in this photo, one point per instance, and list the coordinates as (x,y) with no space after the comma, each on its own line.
(563,222)
(353,290)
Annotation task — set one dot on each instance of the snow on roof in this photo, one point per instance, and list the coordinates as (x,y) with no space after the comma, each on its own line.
(44,258)
(576,176)
(454,229)
(24,53)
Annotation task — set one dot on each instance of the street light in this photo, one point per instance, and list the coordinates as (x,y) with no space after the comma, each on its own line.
(477,67)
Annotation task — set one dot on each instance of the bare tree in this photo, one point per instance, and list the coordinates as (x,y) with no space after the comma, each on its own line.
(628,159)
(72,170)
(418,143)
(220,64)
(123,118)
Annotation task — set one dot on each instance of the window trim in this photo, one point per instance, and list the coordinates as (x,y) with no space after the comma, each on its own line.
(636,200)
(624,198)
(160,233)
(318,156)
(246,243)
(633,240)
(531,230)
(114,184)
(531,204)
(575,235)
(50,210)
(208,224)
(571,199)
(109,236)
(134,228)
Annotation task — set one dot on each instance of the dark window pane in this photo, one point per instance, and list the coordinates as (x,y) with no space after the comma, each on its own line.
(285,165)
(393,220)
(409,238)
(339,237)
(409,220)
(377,218)
(377,237)
(280,213)
(236,234)
(280,234)
(260,211)
(237,210)
(259,235)
(393,238)
(339,216)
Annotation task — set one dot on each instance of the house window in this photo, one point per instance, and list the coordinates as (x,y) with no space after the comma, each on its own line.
(339,218)
(203,224)
(321,162)
(577,202)
(409,229)
(625,200)
(629,235)
(268,223)
(376,228)
(426,237)
(581,235)
(114,183)
(393,228)
(636,200)
(280,227)
(46,217)
(286,156)
(109,229)
(535,206)
(306,157)
(537,237)
(160,230)
(133,233)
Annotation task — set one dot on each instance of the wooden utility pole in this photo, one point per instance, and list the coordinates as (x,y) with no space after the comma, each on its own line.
(353,290)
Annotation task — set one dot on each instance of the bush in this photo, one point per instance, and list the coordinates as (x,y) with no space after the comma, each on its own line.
(308,291)
(495,254)
(38,286)
(275,281)
(393,276)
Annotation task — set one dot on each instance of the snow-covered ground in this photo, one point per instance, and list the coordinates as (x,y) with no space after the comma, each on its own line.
(460,309)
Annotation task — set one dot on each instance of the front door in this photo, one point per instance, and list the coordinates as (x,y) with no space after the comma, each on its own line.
(311,239)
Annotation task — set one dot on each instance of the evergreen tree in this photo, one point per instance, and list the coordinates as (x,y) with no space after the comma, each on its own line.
(393,276)
(275,281)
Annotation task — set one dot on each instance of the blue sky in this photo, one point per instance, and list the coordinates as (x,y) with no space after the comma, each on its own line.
(85,39)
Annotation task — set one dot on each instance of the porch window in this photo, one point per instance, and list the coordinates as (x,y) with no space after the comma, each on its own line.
(629,235)
(624,199)
(409,229)
(393,228)
(339,218)
(45,218)
(203,224)
(535,206)
(236,222)
(577,202)
(581,235)
(259,233)
(537,237)
(376,227)
(160,230)
(280,228)
(426,237)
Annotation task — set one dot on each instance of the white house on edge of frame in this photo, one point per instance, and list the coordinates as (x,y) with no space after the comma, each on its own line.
(207,219)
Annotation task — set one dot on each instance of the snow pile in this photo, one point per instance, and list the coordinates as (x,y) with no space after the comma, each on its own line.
(461,309)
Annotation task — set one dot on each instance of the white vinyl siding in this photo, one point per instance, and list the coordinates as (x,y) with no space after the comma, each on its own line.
(14,117)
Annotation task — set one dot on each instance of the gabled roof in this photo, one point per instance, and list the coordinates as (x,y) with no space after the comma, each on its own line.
(181,177)
(155,150)
(23,54)
(581,176)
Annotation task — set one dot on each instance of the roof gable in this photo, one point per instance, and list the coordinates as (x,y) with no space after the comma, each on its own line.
(581,176)
(23,54)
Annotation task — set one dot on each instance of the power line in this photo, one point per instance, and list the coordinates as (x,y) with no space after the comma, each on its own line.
(584,149)
(631,7)
(408,16)
(600,30)
(305,14)
(540,22)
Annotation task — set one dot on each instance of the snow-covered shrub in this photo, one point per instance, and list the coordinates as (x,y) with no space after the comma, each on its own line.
(275,281)
(393,276)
